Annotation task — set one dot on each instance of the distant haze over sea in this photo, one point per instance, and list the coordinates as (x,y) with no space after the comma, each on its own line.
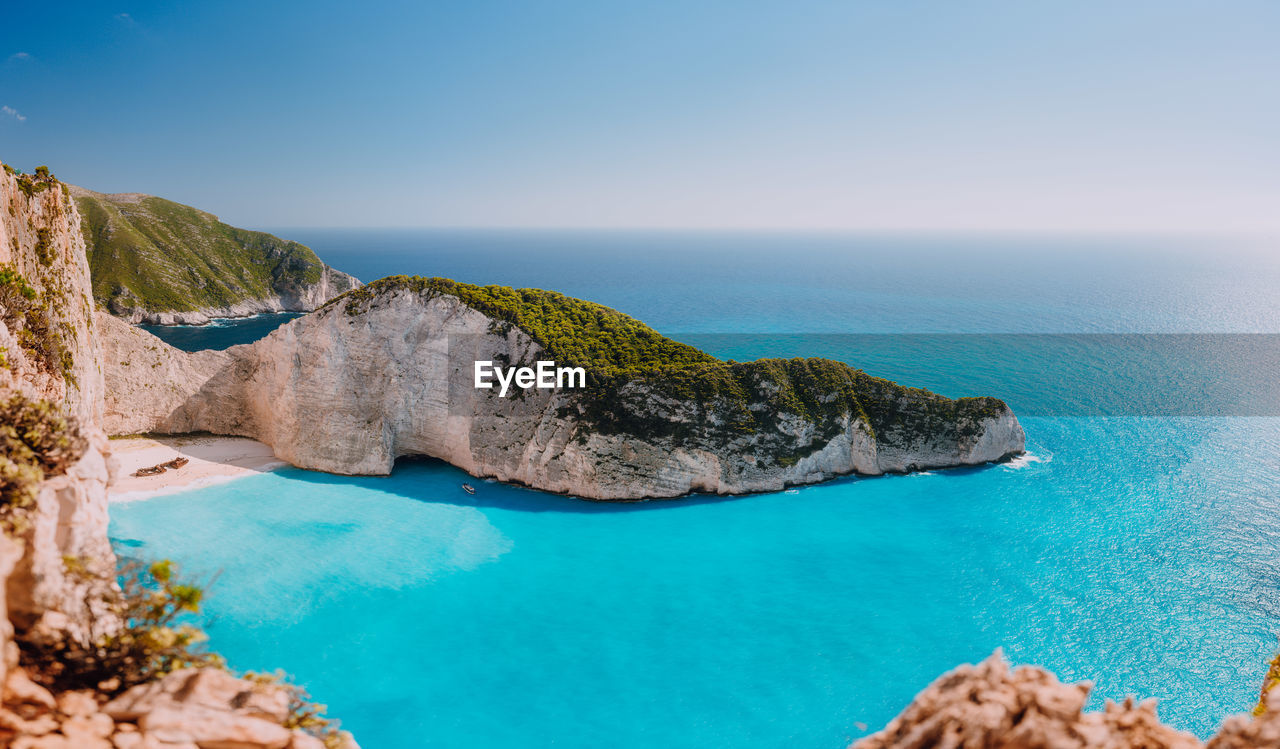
(770,282)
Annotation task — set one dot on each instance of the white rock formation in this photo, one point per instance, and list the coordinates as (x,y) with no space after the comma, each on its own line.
(991,706)
(350,393)
(40,239)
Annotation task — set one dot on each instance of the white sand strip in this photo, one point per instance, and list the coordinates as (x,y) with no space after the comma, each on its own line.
(212,460)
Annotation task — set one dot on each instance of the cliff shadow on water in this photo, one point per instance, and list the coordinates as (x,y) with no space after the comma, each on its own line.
(407,481)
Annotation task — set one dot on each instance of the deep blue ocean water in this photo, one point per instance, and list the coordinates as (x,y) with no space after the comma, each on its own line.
(1137,546)
(221,333)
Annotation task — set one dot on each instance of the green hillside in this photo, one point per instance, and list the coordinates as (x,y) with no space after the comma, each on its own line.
(151,254)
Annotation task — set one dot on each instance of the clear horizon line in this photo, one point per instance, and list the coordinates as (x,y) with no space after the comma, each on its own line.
(1153,233)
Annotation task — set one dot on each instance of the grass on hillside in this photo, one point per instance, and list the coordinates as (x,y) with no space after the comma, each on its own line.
(161,256)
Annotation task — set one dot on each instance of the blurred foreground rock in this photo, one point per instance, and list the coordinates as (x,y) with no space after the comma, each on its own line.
(991,706)
(192,709)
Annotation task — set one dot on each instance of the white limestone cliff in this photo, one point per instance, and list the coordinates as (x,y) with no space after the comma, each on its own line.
(54,355)
(350,393)
(57,569)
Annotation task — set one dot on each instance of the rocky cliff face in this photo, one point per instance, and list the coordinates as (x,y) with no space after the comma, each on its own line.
(49,350)
(990,706)
(57,569)
(157,261)
(352,387)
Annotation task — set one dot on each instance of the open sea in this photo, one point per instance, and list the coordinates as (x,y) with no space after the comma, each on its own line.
(1136,545)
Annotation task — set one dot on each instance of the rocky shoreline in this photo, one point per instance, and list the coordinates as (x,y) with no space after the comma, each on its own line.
(239,311)
(158,262)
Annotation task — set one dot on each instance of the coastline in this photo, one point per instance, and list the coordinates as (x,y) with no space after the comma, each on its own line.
(214,322)
(211,460)
(209,315)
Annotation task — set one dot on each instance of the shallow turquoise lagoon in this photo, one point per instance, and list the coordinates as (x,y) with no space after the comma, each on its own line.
(1139,552)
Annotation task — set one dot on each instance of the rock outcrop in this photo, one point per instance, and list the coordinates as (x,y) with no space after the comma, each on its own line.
(157,261)
(190,709)
(1247,732)
(990,706)
(389,372)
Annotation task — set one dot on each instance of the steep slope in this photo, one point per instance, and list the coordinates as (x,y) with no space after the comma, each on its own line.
(157,261)
(85,660)
(50,358)
(388,371)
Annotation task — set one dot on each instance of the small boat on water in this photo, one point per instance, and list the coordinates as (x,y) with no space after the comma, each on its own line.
(468,488)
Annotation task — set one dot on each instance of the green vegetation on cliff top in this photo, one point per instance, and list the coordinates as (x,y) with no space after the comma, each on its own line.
(618,350)
(156,255)
(577,332)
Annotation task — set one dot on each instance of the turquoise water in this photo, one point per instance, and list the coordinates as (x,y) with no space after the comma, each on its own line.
(1139,550)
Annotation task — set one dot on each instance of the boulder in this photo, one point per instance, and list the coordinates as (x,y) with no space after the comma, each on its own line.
(304,740)
(139,741)
(990,706)
(19,689)
(213,729)
(77,703)
(85,728)
(208,688)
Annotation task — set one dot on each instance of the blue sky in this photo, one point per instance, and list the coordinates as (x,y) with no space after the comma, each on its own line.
(984,116)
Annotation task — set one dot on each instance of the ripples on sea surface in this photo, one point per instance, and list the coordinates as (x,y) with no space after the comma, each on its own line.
(220,333)
(1138,551)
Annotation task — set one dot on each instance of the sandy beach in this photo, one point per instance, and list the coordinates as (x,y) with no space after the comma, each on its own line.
(211,460)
